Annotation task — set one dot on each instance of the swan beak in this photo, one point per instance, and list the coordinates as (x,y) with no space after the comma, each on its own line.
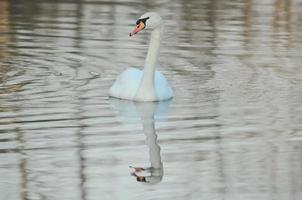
(137,29)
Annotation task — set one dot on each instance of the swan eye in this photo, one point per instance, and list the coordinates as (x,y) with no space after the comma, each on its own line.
(142,20)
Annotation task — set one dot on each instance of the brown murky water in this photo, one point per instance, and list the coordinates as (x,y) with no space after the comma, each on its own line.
(233,130)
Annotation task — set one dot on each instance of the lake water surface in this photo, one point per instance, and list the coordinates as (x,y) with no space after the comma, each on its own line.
(232,131)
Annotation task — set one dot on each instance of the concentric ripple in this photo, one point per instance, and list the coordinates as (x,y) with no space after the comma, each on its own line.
(233,130)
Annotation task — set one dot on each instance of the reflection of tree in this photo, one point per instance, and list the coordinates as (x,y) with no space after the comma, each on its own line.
(81,146)
(247,19)
(80,104)
(5,38)
(5,55)
(23,165)
(25,13)
(282,18)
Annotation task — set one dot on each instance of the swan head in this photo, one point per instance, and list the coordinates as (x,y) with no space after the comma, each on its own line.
(149,20)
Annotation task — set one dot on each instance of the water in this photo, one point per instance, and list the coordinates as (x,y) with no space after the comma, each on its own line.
(233,130)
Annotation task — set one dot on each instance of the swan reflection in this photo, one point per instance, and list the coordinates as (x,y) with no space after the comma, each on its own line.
(146,113)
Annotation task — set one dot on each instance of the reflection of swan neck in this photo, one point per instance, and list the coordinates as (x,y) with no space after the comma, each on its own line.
(147,82)
(151,140)
(148,112)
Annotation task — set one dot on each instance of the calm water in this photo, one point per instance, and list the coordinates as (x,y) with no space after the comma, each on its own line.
(233,130)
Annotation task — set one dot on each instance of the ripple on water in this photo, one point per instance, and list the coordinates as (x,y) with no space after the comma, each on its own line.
(232,131)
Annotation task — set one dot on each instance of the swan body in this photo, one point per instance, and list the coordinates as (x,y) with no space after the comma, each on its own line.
(147,84)
(127,85)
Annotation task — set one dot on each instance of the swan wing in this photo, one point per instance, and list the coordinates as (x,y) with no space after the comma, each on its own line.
(162,87)
(126,85)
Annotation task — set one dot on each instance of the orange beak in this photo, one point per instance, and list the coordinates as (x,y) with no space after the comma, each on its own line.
(137,29)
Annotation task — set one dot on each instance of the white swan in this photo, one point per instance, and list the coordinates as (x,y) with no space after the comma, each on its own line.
(149,84)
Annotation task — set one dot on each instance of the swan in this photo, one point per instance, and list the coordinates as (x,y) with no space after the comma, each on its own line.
(147,84)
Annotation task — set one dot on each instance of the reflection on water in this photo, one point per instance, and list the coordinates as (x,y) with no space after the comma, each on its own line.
(5,40)
(233,130)
(147,112)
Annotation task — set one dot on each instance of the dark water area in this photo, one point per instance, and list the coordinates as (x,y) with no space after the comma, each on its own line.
(232,131)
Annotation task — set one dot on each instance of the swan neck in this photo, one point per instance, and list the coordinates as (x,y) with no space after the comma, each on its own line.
(147,89)
(153,51)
